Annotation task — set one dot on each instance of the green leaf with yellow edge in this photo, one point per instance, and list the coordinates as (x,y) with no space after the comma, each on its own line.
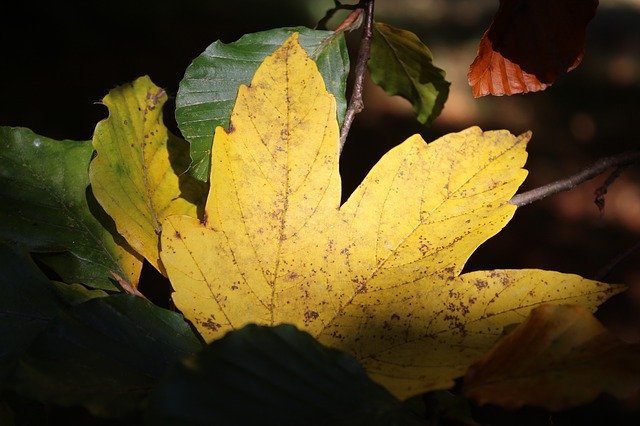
(559,358)
(138,173)
(402,65)
(47,207)
(378,276)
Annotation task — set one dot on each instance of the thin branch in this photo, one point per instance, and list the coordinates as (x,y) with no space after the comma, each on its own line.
(606,270)
(356,104)
(322,24)
(571,182)
(602,190)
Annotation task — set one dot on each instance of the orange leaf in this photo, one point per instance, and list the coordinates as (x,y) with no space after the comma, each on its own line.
(560,357)
(529,45)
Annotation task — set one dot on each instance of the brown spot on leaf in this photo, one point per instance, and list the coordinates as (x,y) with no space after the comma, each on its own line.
(177,235)
(154,98)
(310,316)
(211,324)
(480,284)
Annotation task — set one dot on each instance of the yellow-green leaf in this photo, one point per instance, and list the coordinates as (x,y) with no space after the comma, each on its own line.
(560,357)
(137,175)
(377,276)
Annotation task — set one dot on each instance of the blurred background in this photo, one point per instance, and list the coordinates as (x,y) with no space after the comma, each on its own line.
(61,58)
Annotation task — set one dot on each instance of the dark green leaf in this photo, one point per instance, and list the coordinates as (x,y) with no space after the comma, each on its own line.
(268,376)
(402,65)
(27,305)
(6,414)
(74,294)
(105,353)
(208,90)
(44,206)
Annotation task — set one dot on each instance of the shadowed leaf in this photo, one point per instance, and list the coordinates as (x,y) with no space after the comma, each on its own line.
(260,375)
(529,44)
(559,358)
(67,345)
(402,65)
(45,205)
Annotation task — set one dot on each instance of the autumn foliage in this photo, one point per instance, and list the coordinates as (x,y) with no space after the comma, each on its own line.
(285,299)
(529,44)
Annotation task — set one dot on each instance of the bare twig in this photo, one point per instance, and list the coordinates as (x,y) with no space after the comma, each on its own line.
(601,191)
(355,103)
(607,269)
(571,182)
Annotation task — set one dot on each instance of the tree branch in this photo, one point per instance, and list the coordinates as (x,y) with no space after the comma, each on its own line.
(356,104)
(571,182)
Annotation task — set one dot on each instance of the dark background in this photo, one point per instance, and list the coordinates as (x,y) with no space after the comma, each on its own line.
(60,58)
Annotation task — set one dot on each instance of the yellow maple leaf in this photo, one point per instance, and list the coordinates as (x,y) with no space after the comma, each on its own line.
(132,175)
(377,276)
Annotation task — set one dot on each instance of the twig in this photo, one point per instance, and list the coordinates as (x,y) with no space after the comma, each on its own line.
(601,191)
(351,22)
(607,269)
(322,24)
(355,103)
(571,182)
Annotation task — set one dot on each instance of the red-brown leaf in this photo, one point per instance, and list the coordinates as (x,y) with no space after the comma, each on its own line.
(529,44)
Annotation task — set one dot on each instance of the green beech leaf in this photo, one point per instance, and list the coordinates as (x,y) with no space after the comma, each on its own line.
(210,84)
(279,375)
(402,65)
(45,205)
(27,305)
(106,352)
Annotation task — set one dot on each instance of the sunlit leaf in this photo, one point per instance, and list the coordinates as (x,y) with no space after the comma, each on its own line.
(138,173)
(378,276)
(529,44)
(560,357)
(210,84)
(46,205)
(402,65)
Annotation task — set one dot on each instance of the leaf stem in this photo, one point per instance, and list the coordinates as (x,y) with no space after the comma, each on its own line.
(573,181)
(322,24)
(356,104)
